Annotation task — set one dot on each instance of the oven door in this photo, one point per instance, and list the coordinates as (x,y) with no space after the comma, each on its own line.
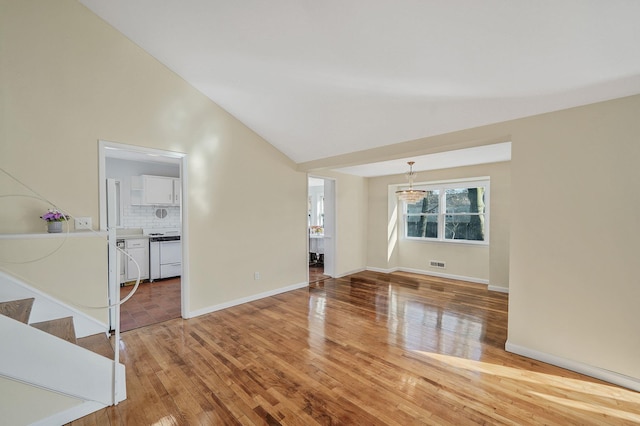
(170,252)
(170,258)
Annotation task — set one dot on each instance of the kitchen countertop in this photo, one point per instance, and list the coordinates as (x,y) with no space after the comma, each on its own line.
(132,237)
(130,234)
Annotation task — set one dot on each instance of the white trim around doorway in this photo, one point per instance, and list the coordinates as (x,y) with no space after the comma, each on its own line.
(331,241)
(139,152)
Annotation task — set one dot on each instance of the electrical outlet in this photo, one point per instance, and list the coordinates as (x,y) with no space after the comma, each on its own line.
(256,275)
(82,223)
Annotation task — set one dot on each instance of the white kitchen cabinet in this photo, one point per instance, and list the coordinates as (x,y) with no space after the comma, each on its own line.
(138,249)
(158,190)
(137,188)
(177,191)
(148,190)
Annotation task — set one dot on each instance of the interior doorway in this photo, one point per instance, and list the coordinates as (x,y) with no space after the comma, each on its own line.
(132,218)
(321,228)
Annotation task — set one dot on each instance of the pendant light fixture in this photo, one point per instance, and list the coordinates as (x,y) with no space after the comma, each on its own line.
(411,195)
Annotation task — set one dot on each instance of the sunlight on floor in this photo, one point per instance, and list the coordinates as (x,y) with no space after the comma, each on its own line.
(604,399)
(595,408)
(166,421)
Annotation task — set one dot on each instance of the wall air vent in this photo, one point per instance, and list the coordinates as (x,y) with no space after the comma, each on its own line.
(437,264)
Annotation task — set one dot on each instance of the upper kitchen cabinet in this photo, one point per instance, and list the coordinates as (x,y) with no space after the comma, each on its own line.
(177,191)
(155,190)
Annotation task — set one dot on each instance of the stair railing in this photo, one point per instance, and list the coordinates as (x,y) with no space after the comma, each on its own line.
(115,306)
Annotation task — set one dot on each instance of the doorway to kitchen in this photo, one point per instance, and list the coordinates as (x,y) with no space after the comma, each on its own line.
(142,205)
(320,228)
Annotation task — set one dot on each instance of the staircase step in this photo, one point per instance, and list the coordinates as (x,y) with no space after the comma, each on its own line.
(98,343)
(61,327)
(17,309)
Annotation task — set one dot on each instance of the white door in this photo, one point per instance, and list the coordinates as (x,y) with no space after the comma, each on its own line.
(329,227)
(113,279)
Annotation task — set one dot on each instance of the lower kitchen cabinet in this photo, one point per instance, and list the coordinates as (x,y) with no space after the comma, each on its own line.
(138,249)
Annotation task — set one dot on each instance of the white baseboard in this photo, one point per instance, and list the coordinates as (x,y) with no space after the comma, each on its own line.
(441,275)
(247,299)
(349,273)
(381,270)
(578,367)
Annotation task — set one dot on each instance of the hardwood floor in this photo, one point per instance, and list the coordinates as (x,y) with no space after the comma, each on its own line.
(152,303)
(366,349)
(316,273)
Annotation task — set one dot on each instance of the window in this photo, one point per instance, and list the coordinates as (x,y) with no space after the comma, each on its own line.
(453,212)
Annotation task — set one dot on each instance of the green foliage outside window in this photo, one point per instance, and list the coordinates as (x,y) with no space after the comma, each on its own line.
(449,214)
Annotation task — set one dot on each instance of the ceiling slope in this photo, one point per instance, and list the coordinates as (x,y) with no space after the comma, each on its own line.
(321,79)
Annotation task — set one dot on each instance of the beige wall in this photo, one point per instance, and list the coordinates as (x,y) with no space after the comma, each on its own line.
(388,250)
(575,232)
(351,222)
(59,265)
(68,79)
(383,232)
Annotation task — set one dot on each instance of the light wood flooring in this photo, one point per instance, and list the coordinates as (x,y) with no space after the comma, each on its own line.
(366,349)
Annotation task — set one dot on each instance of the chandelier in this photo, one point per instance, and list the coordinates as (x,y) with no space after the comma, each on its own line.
(411,195)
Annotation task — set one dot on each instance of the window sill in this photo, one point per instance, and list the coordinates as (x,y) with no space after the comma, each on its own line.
(460,242)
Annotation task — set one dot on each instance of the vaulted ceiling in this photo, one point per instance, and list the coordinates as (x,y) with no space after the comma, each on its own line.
(323,78)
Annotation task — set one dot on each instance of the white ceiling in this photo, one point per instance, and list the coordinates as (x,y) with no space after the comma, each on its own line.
(323,78)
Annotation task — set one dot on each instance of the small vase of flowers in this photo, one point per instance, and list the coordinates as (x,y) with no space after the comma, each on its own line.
(54,219)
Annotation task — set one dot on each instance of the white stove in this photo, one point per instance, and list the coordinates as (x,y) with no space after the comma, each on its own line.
(165,253)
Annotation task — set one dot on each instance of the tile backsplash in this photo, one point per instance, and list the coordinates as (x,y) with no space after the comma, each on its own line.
(151,217)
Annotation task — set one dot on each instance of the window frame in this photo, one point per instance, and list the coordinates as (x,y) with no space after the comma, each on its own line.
(442,213)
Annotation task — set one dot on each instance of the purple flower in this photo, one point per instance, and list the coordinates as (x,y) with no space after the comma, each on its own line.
(54,216)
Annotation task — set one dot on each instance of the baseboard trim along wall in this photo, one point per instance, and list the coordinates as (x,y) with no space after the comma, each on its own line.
(247,299)
(349,273)
(578,367)
(440,275)
(383,271)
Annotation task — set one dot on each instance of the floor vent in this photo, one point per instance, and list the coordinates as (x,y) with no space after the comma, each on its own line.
(437,264)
